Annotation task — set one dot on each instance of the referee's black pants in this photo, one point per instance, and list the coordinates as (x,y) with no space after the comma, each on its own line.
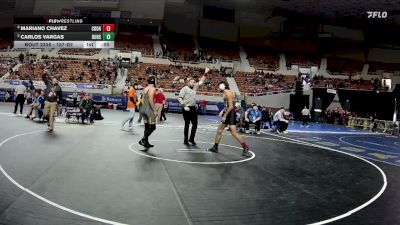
(20,100)
(190,117)
(305,120)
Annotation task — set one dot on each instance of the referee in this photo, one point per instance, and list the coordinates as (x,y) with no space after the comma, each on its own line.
(187,98)
(20,92)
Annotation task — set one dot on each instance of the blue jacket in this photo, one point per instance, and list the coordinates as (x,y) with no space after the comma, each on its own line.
(253,114)
(41,101)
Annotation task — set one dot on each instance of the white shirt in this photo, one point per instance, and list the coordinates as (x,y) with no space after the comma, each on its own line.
(279,116)
(305,112)
(20,89)
(187,96)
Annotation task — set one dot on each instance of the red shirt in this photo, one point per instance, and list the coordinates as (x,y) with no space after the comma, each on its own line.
(159,98)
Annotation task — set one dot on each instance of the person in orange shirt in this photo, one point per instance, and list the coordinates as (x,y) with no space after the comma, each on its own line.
(131,107)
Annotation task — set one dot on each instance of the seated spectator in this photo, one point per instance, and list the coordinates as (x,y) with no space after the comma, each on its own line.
(253,116)
(266,116)
(96,114)
(86,107)
(39,111)
(37,105)
(75,98)
(280,123)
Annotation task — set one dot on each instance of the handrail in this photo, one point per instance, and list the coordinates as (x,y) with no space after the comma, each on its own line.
(215,94)
(384,126)
(265,68)
(268,93)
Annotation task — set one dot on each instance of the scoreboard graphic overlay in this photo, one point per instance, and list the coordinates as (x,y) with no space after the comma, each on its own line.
(63,33)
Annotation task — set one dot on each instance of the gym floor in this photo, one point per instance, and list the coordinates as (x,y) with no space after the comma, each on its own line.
(97,174)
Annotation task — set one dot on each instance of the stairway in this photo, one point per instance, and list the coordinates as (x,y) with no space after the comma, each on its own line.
(16,67)
(243,57)
(196,43)
(156,44)
(282,62)
(365,70)
(122,74)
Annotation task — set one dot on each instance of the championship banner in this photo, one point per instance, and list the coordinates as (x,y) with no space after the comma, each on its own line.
(213,108)
(99,86)
(42,85)
(14,82)
(84,86)
(3,95)
(119,100)
(67,85)
(174,105)
(39,84)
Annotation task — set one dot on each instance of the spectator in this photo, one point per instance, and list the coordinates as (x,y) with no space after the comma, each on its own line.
(253,116)
(164,110)
(50,107)
(20,92)
(159,101)
(30,91)
(39,111)
(203,106)
(280,123)
(35,104)
(86,107)
(306,115)
(58,92)
(75,98)
(266,116)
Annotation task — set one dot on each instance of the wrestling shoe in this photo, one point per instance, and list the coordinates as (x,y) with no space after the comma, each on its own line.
(150,145)
(144,144)
(213,149)
(246,152)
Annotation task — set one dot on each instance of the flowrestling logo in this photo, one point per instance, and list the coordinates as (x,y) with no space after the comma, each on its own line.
(377,14)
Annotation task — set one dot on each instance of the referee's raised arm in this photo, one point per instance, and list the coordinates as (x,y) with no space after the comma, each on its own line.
(203,78)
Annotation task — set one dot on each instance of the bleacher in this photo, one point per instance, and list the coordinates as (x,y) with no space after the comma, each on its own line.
(137,41)
(344,66)
(256,83)
(78,51)
(6,64)
(223,50)
(179,47)
(302,60)
(82,71)
(263,59)
(5,43)
(347,84)
(386,67)
(6,38)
